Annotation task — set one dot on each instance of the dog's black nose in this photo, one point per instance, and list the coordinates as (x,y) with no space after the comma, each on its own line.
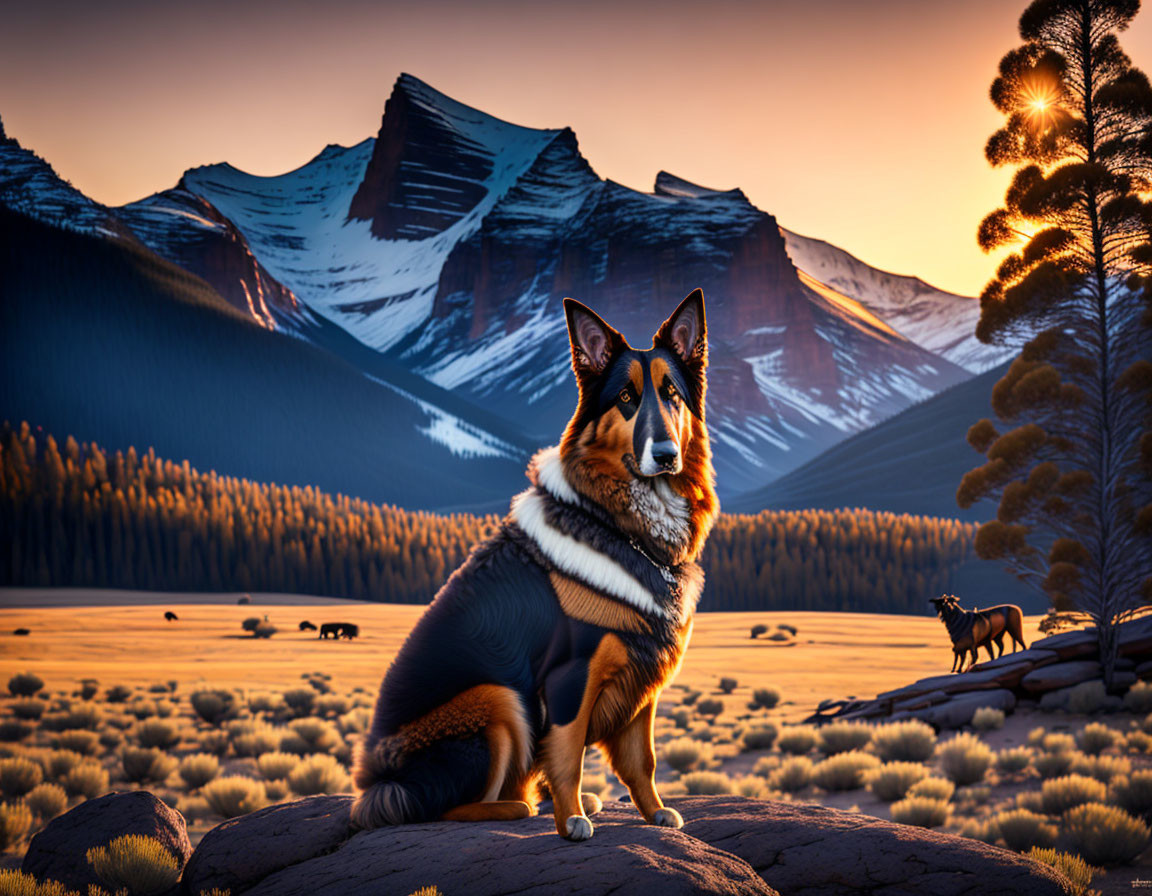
(665,454)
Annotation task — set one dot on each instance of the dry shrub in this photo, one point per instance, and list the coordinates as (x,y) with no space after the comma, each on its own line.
(793,774)
(358,719)
(1095,738)
(18,883)
(988,718)
(844,771)
(1138,742)
(233,795)
(118,693)
(707,783)
(18,776)
(146,764)
(28,708)
(277,765)
(1132,793)
(891,781)
(198,769)
(157,733)
(276,791)
(964,759)
(265,703)
(214,706)
(751,786)
(921,811)
(909,741)
(1053,765)
(797,739)
(318,774)
(933,788)
(710,707)
(88,779)
(686,754)
(15,820)
(1061,794)
(1013,759)
(319,735)
(215,742)
(331,705)
(12,730)
(1023,829)
(1139,698)
(1087,697)
(143,708)
(759,737)
(1102,768)
(1078,872)
(300,700)
(765,698)
(24,684)
(984,830)
(139,864)
(1057,742)
(85,742)
(841,737)
(1104,835)
(46,800)
(1032,800)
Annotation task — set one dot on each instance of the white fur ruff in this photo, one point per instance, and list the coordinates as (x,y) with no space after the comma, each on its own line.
(667,514)
(578,559)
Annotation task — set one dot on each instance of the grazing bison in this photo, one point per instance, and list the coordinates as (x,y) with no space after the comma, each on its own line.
(170,616)
(972,629)
(339,630)
(307,626)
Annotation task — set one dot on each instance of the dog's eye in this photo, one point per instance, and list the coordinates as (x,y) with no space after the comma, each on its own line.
(625,396)
(672,394)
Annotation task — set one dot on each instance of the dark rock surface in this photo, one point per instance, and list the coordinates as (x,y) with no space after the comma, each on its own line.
(58,852)
(729,845)
(957,712)
(243,851)
(1061,675)
(807,850)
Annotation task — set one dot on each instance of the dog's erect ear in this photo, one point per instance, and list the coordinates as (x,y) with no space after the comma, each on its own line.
(594,343)
(685,332)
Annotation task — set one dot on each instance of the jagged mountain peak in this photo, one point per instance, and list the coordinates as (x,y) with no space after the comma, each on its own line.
(668,184)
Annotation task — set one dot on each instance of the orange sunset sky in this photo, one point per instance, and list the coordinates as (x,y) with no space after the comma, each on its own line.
(862,123)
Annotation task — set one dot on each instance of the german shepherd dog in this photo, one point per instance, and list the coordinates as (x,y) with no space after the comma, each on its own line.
(561,629)
(972,629)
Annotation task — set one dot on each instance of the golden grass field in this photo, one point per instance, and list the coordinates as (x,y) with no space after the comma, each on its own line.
(833,654)
(122,638)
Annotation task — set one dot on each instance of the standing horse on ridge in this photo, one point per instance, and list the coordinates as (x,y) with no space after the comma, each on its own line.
(972,629)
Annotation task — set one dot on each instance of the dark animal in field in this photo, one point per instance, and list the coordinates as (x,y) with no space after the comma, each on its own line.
(339,629)
(21,631)
(972,629)
(307,626)
(170,616)
(350,631)
(561,630)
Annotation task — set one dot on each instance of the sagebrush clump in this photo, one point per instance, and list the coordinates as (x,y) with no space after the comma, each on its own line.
(1104,835)
(907,741)
(892,780)
(141,865)
(844,771)
(964,759)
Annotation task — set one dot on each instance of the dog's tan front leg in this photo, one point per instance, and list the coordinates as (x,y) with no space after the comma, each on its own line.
(564,768)
(632,754)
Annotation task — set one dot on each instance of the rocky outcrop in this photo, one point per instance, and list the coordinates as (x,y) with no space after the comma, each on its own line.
(729,845)
(1047,672)
(59,851)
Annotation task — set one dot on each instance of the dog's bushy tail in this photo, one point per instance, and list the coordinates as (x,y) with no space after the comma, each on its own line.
(400,787)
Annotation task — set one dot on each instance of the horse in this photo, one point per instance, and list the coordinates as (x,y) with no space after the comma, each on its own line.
(972,629)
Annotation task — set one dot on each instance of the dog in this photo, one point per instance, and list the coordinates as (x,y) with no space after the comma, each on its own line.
(972,629)
(560,631)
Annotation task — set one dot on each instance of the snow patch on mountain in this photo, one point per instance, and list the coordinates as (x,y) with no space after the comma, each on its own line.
(942,322)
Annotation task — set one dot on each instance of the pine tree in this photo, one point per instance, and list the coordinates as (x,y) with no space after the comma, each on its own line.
(1073,474)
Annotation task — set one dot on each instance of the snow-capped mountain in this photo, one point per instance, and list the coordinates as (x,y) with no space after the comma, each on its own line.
(942,322)
(434,258)
(426,428)
(449,241)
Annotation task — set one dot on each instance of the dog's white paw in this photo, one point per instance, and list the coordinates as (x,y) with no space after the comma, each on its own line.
(666,818)
(578,827)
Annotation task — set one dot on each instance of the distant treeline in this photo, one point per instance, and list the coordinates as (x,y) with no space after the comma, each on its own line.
(78,516)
